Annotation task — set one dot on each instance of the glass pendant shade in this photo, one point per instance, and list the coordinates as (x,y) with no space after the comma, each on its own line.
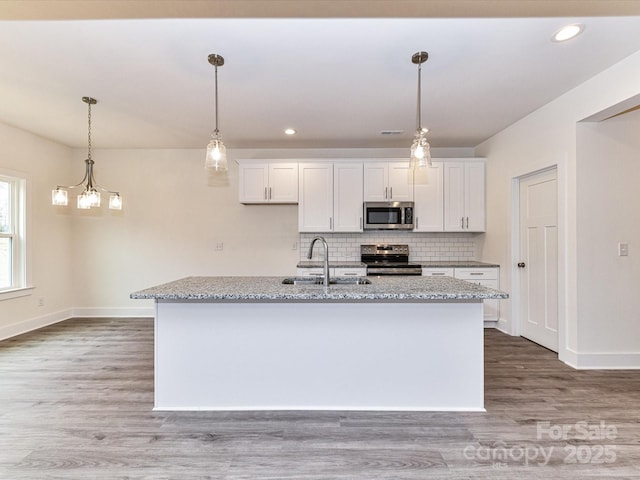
(421,150)
(60,197)
(216,155)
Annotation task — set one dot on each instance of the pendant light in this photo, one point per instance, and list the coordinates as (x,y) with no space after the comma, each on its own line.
(216,151)
(90,196)
(420,149)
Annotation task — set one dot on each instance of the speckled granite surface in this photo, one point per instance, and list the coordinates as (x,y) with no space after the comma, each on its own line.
(314,264)
(400,288)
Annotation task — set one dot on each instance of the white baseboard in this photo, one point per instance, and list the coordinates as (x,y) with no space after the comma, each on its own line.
(602,360)
(25,326)
(95,312)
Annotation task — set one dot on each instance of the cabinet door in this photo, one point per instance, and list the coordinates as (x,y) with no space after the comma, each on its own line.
(283,183)
(400,182)
(474,201)
(315,209)
(428,196)
(254,183)
(347,197)
(454,212)
(487,277)
(376,180)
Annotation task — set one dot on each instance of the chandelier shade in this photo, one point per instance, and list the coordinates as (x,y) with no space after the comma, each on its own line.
(90,196)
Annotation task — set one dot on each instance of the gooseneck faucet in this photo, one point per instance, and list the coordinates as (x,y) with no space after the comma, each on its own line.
(326,257)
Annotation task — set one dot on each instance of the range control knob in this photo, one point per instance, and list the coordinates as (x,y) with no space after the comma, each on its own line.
(521,265)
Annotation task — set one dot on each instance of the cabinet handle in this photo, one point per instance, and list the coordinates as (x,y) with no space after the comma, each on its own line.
(269,193)
(437,273)
(476,273)
(265,193)
(386,190)
(461,222)
(467,222)
(349,273)
(330,223)
(390,193)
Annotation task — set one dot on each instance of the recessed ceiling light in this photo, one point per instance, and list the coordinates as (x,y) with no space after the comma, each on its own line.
(567,32)
(289,131)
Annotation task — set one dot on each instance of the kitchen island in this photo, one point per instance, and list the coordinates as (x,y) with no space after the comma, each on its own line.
(252,343)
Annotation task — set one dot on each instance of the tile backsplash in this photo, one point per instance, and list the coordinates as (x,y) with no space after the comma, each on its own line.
(345,247)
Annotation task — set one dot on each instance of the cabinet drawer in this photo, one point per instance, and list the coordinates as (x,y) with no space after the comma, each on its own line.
(476,273)
(437,272)
(349,272)
(310,272)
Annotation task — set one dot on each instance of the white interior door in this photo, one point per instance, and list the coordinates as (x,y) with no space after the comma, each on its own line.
(538,264)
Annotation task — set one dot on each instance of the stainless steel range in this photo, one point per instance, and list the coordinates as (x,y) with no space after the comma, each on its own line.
(384,259)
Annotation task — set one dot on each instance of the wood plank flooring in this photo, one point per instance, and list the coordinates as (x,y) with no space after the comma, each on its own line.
(76,399)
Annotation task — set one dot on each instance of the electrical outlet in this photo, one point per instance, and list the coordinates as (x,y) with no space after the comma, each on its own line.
(219,246)
(41,302)
(295,246)
(623,249)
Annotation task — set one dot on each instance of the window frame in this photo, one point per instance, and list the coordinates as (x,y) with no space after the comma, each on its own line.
(18,220)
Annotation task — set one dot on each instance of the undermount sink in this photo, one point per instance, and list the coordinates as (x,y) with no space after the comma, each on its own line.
(332,281)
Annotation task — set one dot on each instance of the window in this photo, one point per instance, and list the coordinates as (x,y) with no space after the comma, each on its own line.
(12,233)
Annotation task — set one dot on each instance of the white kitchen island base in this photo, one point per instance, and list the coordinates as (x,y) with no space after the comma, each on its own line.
(222,355)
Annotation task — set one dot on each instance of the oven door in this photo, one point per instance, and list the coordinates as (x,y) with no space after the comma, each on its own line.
(388,215)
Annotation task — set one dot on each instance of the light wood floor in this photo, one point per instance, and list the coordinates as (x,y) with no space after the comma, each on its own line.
(76,399)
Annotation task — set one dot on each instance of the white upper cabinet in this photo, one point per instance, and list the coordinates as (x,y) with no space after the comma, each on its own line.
(315,209)
(268,182)
(347,197)
(464,196)
(428,193)
(330,197)
(388,181)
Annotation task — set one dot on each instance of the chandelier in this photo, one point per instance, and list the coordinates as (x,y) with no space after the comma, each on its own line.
(420,149)
(216,158)
(90,196)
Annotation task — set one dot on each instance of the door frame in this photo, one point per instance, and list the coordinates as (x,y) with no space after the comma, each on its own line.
(560,165)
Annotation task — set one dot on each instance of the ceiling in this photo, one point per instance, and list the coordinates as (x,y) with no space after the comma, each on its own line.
(338,81)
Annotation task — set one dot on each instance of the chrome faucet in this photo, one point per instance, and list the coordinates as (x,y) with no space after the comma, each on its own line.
(326,258)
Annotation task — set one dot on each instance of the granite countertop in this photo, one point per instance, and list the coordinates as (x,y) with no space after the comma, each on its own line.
(336,264)
(398,288)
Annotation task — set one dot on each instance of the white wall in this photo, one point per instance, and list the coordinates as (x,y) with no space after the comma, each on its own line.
(49,233)
(543,138)
(608,198)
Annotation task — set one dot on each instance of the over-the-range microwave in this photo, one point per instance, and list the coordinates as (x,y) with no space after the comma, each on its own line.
(388,215)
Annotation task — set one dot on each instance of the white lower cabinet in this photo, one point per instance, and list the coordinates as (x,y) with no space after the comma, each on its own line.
(333,272)
(485,276)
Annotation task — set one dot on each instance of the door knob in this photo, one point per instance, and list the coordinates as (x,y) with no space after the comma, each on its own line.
(521,265)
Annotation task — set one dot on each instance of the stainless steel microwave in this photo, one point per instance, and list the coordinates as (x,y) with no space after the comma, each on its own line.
(388,215)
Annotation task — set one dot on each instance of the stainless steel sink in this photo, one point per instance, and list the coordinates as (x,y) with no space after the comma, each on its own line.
(332,281)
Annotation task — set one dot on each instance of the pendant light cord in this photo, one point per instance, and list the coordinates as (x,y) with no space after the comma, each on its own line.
(419,108)
(216,79)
